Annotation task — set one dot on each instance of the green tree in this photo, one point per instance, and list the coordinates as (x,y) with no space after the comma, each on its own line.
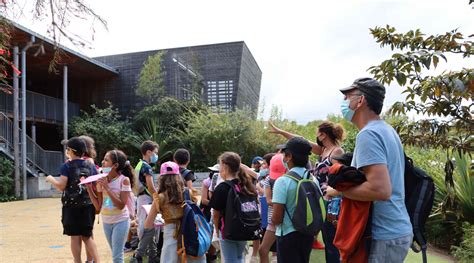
(107,129)
(445,98)
(151,85)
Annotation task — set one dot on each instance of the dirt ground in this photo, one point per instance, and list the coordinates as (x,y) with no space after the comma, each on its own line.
(31,231)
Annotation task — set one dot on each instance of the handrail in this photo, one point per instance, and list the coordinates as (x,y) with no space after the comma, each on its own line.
(41,106)
(46,161)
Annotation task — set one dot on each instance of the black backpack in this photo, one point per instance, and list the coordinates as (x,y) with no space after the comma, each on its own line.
(310,211)
(76,195)
(242,219)
(419,196)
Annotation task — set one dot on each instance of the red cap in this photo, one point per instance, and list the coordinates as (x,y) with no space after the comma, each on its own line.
(277,168)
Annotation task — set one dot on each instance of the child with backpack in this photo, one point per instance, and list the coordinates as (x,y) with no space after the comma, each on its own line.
(276,169)
(182,158)
(236,217)
(113,193)
(169,202)
(78,212)
(145,188)
(296,222)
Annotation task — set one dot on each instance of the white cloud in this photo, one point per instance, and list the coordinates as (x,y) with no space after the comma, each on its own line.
(307,50)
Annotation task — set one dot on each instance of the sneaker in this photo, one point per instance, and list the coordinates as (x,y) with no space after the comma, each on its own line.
(317,245)
(136,259)
(254,259)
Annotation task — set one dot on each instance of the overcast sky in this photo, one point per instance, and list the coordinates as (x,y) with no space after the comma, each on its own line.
(306,50)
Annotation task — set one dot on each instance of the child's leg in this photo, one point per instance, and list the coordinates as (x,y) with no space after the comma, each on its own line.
(119,236)
(268,240)
(148,231)
(88,253)
(255,247)
(76,248)
(91,246)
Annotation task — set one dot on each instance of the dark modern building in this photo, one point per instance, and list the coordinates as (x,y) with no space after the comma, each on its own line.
(226,75)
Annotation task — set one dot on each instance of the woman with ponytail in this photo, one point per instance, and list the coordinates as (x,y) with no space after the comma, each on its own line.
(231,169)
(113,194)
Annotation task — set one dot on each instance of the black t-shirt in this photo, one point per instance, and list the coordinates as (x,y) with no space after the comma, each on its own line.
(187,175)
(219,200)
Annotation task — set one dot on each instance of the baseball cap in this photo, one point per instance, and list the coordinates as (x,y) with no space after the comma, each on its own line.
(76,144)
(169,168)
(298,146)
(214,168)
(257,159)
(277,168)
(369,87)
(345,159)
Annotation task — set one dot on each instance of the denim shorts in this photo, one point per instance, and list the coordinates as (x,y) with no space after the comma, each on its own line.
(390,251)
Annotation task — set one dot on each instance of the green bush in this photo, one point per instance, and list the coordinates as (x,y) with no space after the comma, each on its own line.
(107,128)
(7,182)
(465,251)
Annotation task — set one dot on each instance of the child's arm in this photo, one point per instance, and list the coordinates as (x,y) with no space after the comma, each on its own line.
(149,184)
(215,219)
(268,196)
(59,184)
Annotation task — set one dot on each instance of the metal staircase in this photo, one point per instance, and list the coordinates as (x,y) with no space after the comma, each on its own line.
(38,160)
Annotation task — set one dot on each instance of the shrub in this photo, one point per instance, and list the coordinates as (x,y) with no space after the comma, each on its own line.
(7,182)
(465,251)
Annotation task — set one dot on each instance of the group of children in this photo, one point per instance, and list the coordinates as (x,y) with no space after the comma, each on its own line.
(122,192)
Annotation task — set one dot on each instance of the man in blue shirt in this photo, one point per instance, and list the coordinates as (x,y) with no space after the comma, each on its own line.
(379,154)
(292,246)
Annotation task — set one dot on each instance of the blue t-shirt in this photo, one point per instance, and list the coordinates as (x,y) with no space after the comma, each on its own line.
(379,143)
(284,192)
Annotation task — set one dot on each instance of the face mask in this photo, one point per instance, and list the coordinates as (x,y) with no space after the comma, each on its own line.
(154,158)
(286,165)
(264,172)
(319,142)
(347,112)
(106,170)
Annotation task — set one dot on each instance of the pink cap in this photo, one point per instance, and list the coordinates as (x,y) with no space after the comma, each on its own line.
(277,168)
(169,168)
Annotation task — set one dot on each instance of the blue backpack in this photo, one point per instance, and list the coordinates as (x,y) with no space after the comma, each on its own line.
(195,232)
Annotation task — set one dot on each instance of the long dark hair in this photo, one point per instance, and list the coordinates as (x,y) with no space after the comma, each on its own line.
(173,185)
(124,167)
(232,160)
(335,131)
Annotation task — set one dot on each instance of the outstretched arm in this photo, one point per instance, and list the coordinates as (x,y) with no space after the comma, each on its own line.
(316,149)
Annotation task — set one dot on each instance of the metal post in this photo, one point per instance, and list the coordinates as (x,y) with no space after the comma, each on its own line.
(23,122)
(23,115)
(16,128)
(65,112)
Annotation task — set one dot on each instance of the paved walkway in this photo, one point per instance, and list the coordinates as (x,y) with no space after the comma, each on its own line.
(31,231)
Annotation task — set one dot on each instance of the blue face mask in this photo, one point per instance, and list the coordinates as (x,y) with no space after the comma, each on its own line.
(154,158)
(106,170)
(347,112)
(264,172)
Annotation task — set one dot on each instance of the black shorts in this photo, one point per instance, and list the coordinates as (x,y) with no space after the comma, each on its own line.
(78,221)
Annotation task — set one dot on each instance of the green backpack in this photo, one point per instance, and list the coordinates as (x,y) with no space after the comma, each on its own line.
(310,211)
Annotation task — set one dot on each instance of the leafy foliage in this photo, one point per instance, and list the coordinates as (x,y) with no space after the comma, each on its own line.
(151,85)
(448,95)
(7,183)
(107,128)
(465,251)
